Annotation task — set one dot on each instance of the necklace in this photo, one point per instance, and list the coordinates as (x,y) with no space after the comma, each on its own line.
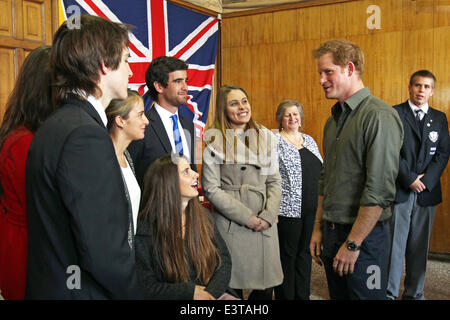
(297,140)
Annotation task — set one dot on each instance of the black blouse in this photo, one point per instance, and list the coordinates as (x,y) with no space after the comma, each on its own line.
(311,167)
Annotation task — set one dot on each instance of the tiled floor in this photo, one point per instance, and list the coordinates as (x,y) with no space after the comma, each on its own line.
(437,282)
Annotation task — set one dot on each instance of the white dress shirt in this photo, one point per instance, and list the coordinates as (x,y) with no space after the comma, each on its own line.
(168,125)
(424,109)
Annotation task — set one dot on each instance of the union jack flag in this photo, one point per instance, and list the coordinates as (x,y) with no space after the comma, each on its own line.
(164,28)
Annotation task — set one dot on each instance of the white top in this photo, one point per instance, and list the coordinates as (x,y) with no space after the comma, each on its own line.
(133,190)
(168,125)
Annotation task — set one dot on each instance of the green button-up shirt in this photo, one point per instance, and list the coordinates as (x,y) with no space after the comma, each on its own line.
(361,158)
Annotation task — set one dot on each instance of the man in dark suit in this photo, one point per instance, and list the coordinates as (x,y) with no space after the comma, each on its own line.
(166,79)
(79,227)
(423,158)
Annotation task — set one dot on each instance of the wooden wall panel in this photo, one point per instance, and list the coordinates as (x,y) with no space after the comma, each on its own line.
(332,21)
(440,100)
(262,83)
(307,19)
(24,26)
(6,76)
(6,25)
(413,35)
(418,14)
(421,59)
(441,13)
(32,19)
(282,26)
(387,66)
(287,82)
(261,29)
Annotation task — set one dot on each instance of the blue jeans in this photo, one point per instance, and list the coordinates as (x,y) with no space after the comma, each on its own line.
(369,278)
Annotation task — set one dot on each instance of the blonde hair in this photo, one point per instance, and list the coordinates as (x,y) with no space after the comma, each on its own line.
(122,107)
(222,123)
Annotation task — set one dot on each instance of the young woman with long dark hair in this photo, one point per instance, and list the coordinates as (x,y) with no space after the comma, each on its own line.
(29,104)
(179,253)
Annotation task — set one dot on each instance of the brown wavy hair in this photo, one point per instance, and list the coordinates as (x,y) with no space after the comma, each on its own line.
(78,53)
(161,208)
(342,51)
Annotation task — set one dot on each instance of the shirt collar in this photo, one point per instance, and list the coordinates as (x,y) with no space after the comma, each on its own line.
(414,107)
(163,112)
(357,98)
(351,102)
(98,106)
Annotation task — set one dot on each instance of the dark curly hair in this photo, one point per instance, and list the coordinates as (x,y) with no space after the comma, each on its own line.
(159,70)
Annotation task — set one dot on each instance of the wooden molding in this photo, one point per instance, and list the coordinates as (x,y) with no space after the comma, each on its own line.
(16,43)
(195,8)
(290,6)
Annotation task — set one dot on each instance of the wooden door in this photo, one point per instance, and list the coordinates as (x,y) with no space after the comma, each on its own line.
(24,26)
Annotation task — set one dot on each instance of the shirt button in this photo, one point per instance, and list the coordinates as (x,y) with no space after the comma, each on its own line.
(4,210)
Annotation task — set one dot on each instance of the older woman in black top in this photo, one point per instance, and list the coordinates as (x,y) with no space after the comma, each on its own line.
(179,254)
(300,166)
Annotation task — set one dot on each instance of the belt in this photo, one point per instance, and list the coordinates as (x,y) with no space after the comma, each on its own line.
(334,225)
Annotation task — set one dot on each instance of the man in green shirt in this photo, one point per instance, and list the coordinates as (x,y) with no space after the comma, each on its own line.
(362,141)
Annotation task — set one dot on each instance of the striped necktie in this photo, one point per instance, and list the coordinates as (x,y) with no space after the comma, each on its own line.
(176,135)
(418,120)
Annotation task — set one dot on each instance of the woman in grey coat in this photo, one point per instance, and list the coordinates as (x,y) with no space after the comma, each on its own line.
(240,178)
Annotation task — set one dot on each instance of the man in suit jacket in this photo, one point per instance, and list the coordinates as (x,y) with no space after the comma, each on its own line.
(166,79)
(76,205)
(423,158)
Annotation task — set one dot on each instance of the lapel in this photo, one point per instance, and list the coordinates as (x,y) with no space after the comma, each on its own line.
(87,107)
(159,130)
(429,124)
(410,119)
(189,126)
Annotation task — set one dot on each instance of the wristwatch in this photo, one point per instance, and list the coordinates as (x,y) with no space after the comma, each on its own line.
(352,246)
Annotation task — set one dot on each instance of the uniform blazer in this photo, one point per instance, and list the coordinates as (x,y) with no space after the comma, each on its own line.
(156,143)
(238,191)
(77,211)
(422,153)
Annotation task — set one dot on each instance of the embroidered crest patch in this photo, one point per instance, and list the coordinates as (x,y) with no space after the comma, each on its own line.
(433,136)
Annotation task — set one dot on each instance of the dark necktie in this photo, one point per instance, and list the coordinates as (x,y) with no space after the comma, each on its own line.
(418,120)
(176,135)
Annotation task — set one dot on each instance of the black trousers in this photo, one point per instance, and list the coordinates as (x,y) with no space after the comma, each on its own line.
(294,236)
